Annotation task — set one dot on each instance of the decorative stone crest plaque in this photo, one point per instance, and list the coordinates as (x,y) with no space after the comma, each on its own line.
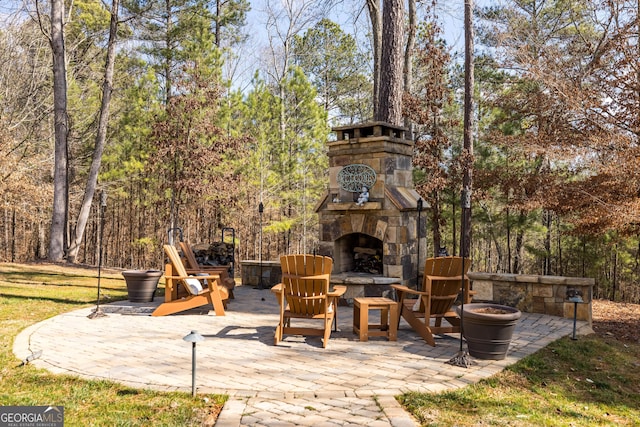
(353,177)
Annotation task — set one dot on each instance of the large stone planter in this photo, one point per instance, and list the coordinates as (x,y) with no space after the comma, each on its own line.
(142,284)
(488,329)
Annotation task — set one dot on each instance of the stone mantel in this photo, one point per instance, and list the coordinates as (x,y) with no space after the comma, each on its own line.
(534,293)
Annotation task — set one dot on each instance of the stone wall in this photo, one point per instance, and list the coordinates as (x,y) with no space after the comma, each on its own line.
(535,294)
(252,270)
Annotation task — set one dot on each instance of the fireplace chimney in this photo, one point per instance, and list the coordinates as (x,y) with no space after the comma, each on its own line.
(377,156)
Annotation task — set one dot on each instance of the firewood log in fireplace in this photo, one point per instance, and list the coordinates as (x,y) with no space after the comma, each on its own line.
(367,260)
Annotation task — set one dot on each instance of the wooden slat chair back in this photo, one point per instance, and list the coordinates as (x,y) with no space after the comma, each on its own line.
(445,290)
(192,266)
(441,285)
(304,294)
(306,297)
(198,293)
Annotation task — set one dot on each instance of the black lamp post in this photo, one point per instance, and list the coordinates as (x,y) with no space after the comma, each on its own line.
(462,358)
(419,207)
(103,207)
(260,211)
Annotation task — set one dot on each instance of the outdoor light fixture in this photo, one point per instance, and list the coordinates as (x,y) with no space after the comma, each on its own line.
(193,338)
(462,358)
(574,296)
(419,206)
(103,207)
(260,211)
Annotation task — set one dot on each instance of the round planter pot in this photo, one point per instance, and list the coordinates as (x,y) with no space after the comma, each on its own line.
(488,329)
(142,284)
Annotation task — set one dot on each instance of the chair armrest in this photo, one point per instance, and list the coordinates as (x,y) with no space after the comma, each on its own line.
(458,278)
(338,291)
(204,268)
(277,289)
(199,277)
(405,289)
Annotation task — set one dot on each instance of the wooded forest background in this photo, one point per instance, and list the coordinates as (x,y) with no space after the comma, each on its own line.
(188,142)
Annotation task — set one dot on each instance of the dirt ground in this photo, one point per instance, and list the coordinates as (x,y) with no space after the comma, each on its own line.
(617,320)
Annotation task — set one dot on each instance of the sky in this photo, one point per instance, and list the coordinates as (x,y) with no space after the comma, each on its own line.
(252,56)
(450,12)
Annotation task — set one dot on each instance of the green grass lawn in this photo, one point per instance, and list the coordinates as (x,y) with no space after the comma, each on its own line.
(592,381)
(588,382)
(31,293)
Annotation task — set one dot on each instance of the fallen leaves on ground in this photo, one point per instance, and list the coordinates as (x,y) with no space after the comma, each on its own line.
(616,320)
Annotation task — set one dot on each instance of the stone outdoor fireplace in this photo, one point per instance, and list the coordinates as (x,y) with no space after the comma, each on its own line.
(373,243)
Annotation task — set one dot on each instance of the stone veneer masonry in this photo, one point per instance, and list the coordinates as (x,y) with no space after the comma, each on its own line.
(528,293)
(535,294)
(390,216)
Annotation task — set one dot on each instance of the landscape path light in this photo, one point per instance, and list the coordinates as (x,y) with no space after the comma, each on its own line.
(574,296)
(193,338)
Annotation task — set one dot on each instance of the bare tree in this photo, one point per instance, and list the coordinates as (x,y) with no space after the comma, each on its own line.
(101,135)
(285,19)
(57,238)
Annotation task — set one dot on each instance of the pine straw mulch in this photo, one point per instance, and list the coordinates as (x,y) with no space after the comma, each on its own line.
(616,320)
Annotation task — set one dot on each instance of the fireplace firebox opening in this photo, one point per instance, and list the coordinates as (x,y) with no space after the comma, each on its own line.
(358,253)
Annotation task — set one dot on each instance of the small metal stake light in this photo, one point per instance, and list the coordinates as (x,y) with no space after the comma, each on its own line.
(103,206)
(193,338)
(574,296)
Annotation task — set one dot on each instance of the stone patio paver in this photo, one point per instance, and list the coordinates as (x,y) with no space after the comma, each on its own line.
(348,383)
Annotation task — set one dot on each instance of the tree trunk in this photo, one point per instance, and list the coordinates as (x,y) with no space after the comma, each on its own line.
(494,239)
(467,178)
(101,136)
(435,222)
(60,183)
(408,56)
(217,21)
(508,237)
(454,229)
(41,245)
(546,218)
(375,14)
(168,63)
(614,279)
(390,98)
(559,267)
(13,234)
(517,259)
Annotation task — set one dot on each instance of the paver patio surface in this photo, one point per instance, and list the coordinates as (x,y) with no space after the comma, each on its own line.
(295,383)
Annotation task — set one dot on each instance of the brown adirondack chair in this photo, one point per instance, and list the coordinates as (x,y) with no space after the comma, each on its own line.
(441,286)
(196,293)
(192,266)
(304,294)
